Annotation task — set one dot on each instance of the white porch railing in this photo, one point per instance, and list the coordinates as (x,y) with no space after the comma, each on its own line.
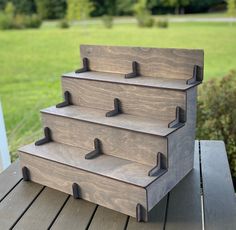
(4,152)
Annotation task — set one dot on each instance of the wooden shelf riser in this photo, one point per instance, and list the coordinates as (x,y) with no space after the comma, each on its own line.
(166,63)
(181,155)
(135,100)
(135,146)
(106,192)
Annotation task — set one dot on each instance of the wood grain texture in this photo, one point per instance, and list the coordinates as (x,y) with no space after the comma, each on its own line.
(159,104)
(184,207)
(218,191)
(136,146)
(155,62)
(16,202)
(107,219)
(9,178)
(42,212)
(153,82)
(106,192)
(104,165)
(75,215)
(156,219)
(180,155)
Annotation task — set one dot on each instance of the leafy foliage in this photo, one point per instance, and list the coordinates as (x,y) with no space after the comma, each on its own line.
(162,23)
(231,7)
(217,113)
(107,21)
(63,24)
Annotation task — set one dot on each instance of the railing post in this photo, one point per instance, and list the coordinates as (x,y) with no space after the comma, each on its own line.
(4,153)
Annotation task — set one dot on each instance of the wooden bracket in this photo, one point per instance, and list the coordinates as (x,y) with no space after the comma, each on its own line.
(197,75)
(179,120)
(96,152)
(140,213)
(26,174)
(85,67)
(67,100)
(117,109)
(161,166)
(47,137)
(76,191)
(134,72)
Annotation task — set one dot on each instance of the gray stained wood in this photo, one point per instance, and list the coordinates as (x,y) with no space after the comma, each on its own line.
(104,165)
(106,219)
(102,190)
(16,202)
(154,82)
(122,121)
(9,178)
(154,62)
(219,197)
(127,144)
(76,214)
(184,207)
(41,213)
(219,200)
(159,104)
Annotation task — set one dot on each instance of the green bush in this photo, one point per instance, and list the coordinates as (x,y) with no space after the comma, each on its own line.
(107,21)
(217,113)
(63,24)
(19,21)
(145,20)
(162,23)
(6,21)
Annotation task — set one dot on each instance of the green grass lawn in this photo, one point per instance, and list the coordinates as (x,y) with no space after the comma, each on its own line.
(31,62)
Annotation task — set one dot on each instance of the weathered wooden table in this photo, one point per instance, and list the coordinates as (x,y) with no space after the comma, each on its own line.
(204,199)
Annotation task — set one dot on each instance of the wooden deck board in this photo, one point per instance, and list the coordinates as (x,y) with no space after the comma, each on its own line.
(75,213)
(219,197)
(184,207)
(42,212)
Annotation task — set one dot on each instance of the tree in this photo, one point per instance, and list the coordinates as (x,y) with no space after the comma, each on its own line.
(9,9)
(51,9)
(24,6)
(125,6)
(78,9)
(178,4)
(231,7)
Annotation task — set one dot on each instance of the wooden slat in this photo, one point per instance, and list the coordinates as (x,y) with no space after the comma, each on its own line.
(130,145)
(166,63)
(107,219)
(101,190)
(141,101)
(42,212)
(156,219)
(104,165)
(219,196)
(184,207)
(17,201)
(153,82)
(9,178)
(75,215)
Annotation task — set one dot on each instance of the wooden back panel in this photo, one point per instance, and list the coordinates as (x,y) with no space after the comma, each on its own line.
(153,62)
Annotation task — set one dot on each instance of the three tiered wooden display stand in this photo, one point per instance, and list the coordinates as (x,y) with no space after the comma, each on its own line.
(124,135)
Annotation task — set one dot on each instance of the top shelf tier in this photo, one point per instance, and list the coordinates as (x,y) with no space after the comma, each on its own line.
(154,82)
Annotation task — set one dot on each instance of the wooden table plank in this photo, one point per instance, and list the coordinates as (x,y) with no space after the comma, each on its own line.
(75,213)
(219,197)
(107,219)
(17,202)
(184,207)
(156,221)
(9,178)
(43,211)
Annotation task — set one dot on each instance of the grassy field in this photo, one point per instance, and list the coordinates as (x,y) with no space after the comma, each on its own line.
(31,62)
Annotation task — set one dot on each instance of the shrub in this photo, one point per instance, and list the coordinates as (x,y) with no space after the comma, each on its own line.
(162,23)
(33,21)
(107,21)
(217,113)
(145,20)
(6,21)
(63,24)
